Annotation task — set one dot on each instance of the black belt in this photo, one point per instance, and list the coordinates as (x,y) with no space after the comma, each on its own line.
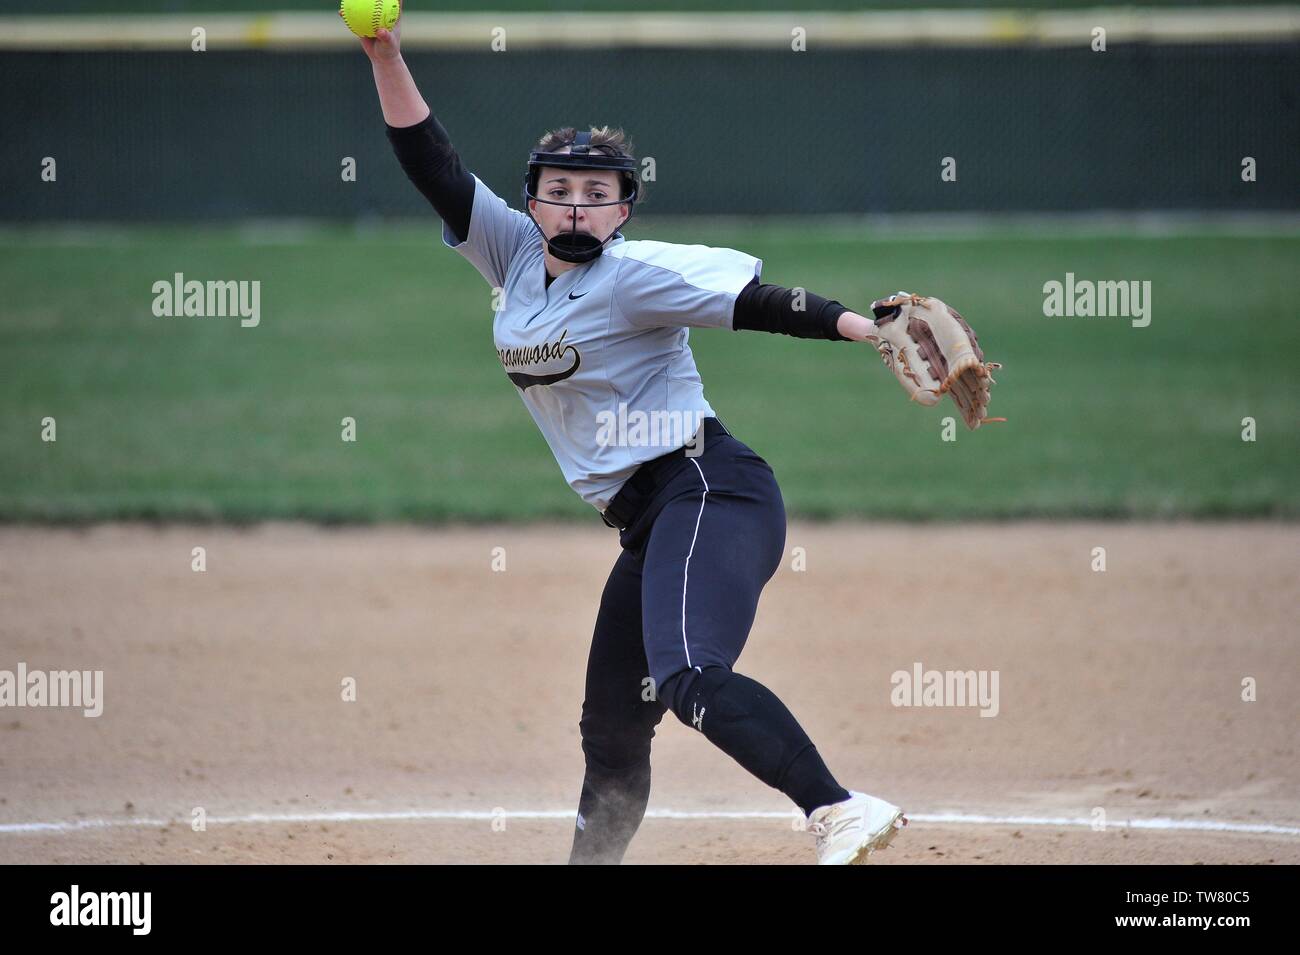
(637,490)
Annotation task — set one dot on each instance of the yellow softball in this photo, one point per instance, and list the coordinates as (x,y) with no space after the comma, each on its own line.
(365,17)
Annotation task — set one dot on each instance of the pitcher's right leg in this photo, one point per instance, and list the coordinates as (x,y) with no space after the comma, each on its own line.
(619,716)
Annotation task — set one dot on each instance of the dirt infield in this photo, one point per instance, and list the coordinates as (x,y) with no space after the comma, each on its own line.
(1119,694)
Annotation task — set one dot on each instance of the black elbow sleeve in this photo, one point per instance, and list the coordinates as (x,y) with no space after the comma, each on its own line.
(431,162)
(784,311)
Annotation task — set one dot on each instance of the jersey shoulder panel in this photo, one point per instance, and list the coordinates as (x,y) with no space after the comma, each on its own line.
(703,266)
(497,233)
(669,284)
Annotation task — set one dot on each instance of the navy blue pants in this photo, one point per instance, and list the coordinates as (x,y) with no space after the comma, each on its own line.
(674,616)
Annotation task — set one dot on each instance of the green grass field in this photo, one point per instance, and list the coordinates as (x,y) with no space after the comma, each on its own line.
(198,418)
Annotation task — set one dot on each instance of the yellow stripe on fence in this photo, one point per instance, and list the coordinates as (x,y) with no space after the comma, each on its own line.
(525,31)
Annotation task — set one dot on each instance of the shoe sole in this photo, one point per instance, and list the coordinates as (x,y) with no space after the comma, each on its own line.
(880,839)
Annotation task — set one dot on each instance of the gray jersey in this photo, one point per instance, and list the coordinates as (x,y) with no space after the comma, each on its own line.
(600,358)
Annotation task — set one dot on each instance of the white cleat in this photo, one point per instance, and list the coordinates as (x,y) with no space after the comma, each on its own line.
(848,832)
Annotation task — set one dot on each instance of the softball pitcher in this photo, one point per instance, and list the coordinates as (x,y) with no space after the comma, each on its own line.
(592,330)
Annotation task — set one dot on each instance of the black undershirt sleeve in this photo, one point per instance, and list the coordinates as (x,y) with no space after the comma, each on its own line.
(432,163)
(771,308)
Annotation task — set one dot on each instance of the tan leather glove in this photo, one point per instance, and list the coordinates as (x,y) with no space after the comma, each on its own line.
(932,352)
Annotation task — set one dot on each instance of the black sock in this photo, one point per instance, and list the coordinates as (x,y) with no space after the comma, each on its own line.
(809,784)
(610,810)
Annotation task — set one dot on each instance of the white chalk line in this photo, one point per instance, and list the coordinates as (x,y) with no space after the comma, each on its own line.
(446,815)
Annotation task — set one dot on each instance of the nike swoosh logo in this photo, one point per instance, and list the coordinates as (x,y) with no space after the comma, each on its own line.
(572,296)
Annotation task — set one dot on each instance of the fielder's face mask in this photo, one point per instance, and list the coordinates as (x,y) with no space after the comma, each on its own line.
(575,246)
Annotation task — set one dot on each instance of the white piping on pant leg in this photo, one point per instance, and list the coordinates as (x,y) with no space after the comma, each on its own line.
(686,571)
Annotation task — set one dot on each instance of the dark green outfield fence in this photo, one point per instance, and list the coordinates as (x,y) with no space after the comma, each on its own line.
(219,135)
